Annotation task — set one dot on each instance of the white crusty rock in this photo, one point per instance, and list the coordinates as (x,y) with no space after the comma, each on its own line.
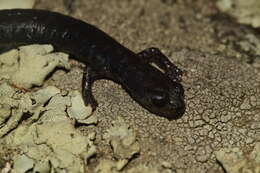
(10,4)
(245,11)
(30,65)
(123,142)
(47,141)
(234,160)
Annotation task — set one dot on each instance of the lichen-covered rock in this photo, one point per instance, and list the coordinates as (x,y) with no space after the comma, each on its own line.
(250,43)
(78,110)
(8,63)
(109,166)
(22,164)
(14,106)
(48,141)
(246,12)
(123,142)
(55,146)
(235,160)
(106,166)
(5,102)
(31,64)
(9,4)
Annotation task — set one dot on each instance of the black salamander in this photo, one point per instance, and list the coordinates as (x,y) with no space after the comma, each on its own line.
(159,91)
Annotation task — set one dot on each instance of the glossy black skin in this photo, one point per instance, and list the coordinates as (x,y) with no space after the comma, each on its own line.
(159,92)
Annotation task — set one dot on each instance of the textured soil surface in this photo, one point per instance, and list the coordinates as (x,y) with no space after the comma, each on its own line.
(222,83)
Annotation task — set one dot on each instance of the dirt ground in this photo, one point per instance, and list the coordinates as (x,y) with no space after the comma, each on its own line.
(221,81)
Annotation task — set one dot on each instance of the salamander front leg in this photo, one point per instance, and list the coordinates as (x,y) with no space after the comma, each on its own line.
(87,81)
(154,55)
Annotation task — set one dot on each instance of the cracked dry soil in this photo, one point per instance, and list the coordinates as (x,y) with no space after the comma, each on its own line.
(222,93)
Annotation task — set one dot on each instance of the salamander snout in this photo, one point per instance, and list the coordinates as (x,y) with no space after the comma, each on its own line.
(176,101)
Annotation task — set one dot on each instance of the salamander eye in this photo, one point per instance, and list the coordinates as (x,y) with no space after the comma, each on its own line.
(159,100)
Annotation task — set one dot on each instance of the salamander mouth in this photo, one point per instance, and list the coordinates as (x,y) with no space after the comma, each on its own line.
(169,112)
(180,110)
(175,111)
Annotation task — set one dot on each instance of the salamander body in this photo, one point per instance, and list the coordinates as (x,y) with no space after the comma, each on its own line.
(159,92)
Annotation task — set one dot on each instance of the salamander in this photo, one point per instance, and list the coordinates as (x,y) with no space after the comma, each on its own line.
(158,89)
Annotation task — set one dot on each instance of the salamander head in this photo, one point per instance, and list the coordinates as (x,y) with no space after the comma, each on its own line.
(150,87)
(154,90)
(165,101)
